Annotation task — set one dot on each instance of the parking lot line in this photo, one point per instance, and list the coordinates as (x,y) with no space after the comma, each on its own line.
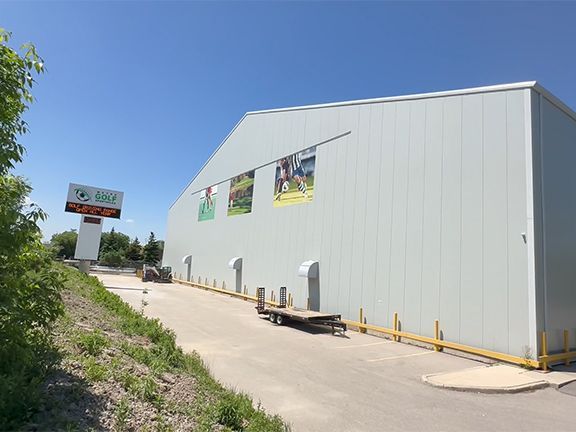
(364,345)
(401,356)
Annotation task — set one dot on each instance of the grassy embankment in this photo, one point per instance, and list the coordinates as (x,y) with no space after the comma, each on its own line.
(122,371)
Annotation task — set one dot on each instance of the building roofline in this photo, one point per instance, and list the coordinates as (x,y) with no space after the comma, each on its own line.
(533,85)
(474,90)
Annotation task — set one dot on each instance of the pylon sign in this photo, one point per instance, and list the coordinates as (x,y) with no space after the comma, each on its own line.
(94,201)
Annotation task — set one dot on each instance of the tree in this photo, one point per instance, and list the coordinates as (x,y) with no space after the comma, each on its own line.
(112,258)
(113,242)
(134,251)
(29,284)
(152,250)
(64,244)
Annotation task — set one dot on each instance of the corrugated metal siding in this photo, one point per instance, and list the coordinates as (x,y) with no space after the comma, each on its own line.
(557,288)
(419,210)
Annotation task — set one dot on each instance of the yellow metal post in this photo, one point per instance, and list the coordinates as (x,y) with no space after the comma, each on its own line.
(206,281)
(396,338)
(437,335)
(566,346)
(289,299)
(544,351)
(361,329)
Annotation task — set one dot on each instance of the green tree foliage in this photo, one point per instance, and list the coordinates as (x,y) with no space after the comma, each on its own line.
(113,242)
(152,250)
(113,258)
(29,285)
(64,244)
(134,251)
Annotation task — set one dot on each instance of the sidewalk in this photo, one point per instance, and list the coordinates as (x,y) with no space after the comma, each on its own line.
(500,379)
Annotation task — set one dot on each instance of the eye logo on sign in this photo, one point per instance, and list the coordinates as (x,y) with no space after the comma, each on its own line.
(82,195)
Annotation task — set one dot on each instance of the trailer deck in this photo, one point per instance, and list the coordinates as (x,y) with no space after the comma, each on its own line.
(282,313)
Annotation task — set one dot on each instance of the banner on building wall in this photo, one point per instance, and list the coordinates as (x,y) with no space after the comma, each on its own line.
(294,181)
(207,206)
(241,191)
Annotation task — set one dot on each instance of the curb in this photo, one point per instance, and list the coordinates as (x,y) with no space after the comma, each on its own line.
(536,385)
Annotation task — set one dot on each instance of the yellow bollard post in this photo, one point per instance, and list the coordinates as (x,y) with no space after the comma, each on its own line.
(396,338)
(361,329)
(214,284)
(566,347)
(289,300)
(437,348)
(199,280)
(544,351)
(206,281)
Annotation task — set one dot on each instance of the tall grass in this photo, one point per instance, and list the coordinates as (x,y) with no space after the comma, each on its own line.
(215,404)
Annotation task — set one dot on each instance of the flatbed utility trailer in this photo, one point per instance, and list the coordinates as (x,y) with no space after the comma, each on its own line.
(281,313)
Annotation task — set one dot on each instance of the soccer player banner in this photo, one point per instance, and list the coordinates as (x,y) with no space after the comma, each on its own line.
(207,206)
(294,182)
(241,191)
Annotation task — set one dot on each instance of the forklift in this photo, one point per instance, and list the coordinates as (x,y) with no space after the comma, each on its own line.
(151,274)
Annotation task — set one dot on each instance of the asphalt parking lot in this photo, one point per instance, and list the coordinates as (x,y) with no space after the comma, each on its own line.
(320,382)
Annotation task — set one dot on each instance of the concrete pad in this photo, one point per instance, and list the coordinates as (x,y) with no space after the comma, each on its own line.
(489,379)
(555,379)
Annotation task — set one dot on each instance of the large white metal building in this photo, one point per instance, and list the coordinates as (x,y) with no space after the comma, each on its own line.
(458,206)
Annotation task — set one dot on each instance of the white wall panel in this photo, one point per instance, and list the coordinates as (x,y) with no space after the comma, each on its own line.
(419,210)
(414,219)
(472,246)
(384,226)
(495,216)
(432,213)
(558,157)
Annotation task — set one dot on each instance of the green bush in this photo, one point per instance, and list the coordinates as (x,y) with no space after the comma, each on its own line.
(29,285)
(113,259)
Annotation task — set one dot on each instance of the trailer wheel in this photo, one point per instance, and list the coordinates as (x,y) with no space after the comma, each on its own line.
(280,320)
(272,318)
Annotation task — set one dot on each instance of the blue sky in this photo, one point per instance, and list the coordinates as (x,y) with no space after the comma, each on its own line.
(139,94)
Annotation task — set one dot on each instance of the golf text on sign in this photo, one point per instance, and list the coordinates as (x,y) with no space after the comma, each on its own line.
(94,201)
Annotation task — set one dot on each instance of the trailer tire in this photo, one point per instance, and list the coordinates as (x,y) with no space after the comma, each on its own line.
(272,318)
(280,320)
